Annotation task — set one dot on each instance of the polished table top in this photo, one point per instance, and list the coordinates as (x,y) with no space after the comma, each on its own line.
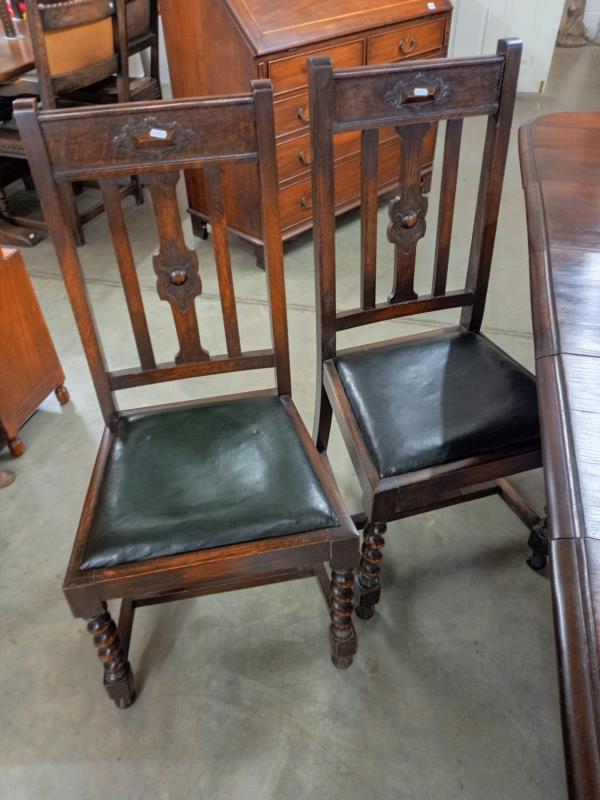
(560,160)
(16,55)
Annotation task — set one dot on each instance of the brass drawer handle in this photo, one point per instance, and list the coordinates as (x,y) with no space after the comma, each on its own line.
(305,202)
(303,159)
(407,49)
(302,115)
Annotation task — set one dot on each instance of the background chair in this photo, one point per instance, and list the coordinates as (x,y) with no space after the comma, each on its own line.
(137,31)
(442,417)
(193,498)
(78,48)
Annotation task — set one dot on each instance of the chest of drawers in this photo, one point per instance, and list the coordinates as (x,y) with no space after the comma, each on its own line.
(219,46)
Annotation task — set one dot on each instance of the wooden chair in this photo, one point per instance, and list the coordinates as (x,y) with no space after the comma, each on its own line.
(441,417)
(190,498)
(137,30)
(75,45)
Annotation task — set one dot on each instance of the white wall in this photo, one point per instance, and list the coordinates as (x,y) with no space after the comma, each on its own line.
(592,17)
(478,24)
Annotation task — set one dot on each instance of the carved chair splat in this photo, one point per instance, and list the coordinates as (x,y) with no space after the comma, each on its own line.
(442,417)
(210,495)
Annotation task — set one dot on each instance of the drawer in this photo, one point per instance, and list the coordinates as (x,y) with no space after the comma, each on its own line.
(291,114)
(291,72)
(295,200)
(294,155)
(407,40)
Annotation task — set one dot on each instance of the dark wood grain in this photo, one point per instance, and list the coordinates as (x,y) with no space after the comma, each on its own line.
(560,160)
(155,141)
(409,99)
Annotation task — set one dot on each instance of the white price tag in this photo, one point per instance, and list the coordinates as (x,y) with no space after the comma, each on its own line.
(158,133)
(420,92)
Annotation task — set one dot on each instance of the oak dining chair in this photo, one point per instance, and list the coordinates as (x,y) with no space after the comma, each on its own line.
(205,496)
(75,45)
(441,417)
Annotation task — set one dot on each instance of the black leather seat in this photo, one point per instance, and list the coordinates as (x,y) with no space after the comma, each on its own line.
(197,478)
(436,400)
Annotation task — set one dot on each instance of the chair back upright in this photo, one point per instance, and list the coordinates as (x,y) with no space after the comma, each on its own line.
(77,44)
(155,141)
(141,21)
(410,99)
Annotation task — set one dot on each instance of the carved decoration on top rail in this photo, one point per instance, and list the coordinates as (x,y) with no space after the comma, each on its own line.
(176,267)
(416,92)
(153,138)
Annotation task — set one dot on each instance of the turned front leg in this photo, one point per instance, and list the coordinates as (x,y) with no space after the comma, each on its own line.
(341,631)
(369,577)
(118,677)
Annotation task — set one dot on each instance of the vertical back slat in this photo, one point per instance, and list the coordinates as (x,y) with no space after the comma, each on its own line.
(369,167)
(452,142)
(176,267)
(214,194)
(490,187)
(135,304)
(271,230)
(408,211)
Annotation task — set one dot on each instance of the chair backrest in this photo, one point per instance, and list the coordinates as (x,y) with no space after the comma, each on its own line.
(156,141)
(410,98)
(77,44)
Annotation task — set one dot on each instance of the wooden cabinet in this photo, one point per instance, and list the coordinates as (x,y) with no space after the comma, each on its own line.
(219,46)
(29,366)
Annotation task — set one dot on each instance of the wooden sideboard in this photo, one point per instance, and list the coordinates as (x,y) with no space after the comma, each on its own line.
(220,46)
(29,366)
(560,159)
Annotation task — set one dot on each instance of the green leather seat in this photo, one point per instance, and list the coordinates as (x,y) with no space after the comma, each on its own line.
(196,478)
(439,399)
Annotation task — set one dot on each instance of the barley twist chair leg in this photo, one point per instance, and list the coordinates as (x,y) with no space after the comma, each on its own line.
(342,635)
(118,677)
(369,577)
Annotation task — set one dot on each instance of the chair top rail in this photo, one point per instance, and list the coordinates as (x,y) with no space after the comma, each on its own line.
(135,138)
(57,16)
(381,96)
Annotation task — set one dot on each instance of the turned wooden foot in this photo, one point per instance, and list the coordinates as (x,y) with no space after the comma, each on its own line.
(369,583)
(538,543)
(342,635)
(62,395)
(16,447)
(118,677)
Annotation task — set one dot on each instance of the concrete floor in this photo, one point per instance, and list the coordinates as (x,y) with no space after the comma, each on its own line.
(453,693)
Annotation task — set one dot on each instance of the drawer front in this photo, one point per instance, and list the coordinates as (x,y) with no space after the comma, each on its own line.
(294,155)
(292,114)
(406,41)
(292,72)
(296,199)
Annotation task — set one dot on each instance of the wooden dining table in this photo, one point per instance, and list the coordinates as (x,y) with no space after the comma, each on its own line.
(560,161)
